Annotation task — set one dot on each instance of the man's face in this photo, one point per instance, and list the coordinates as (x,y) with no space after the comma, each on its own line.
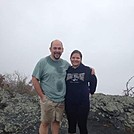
(56,49)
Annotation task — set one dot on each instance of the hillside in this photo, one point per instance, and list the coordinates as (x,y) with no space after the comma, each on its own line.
(109,114)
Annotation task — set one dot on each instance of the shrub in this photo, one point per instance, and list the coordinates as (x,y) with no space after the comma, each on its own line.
(16,83)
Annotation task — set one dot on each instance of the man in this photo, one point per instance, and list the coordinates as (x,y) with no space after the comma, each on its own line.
(49,82)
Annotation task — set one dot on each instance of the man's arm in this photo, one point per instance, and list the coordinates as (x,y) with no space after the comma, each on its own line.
(37,87)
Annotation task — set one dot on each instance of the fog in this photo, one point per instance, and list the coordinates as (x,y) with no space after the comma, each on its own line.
(102,30)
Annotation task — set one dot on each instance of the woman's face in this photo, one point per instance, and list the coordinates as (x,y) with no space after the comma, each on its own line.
(75,59)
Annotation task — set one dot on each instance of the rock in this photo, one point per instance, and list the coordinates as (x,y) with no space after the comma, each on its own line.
(119,110)
(109,114)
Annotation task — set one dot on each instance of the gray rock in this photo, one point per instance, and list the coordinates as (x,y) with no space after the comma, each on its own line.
(109,114)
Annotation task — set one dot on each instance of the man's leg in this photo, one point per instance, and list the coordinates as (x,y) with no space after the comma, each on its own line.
(46,116)
(55,126)
(43,128)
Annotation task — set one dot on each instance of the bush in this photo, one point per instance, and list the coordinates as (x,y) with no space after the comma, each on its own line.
(129,88)
(16,83)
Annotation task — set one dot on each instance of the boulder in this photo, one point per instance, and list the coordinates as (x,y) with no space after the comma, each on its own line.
(109,114)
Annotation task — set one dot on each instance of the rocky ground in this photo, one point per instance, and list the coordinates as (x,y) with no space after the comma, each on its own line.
(20,113)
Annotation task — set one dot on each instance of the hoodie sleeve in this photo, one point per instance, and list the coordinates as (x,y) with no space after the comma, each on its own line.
(93,84)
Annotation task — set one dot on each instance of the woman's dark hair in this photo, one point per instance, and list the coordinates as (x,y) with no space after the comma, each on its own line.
(76,51)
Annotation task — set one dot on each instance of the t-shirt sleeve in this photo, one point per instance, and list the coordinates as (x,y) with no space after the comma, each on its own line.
(67,65)
(37,71)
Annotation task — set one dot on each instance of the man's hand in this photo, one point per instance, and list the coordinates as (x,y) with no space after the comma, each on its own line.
(43,98)
(93,71)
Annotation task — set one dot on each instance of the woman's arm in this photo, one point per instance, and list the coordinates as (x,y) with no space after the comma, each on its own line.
(93,84)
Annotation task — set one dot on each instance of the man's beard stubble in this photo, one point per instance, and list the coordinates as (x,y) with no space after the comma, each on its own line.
(57,56)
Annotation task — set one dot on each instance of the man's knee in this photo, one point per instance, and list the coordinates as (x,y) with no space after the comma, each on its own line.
(45,125)
(43,129)
(55,123)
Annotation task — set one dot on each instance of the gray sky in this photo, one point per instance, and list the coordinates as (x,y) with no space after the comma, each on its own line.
(102,30)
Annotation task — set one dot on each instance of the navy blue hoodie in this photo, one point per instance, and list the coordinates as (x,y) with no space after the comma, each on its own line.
(79,83)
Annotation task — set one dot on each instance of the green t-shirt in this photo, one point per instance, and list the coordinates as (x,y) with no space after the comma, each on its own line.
(51,75)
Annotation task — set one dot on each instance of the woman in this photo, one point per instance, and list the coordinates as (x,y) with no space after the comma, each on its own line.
(79,83)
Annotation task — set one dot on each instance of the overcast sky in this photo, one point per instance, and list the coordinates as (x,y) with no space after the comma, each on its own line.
(103,30)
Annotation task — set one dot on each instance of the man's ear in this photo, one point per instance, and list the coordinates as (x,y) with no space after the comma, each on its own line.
(50,49)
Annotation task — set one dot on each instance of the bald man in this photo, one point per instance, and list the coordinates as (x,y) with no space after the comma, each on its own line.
(49,82)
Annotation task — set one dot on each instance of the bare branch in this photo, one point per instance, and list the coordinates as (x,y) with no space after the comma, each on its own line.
(129,90)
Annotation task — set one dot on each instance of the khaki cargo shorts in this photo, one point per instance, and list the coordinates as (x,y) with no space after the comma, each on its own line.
(51,111)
